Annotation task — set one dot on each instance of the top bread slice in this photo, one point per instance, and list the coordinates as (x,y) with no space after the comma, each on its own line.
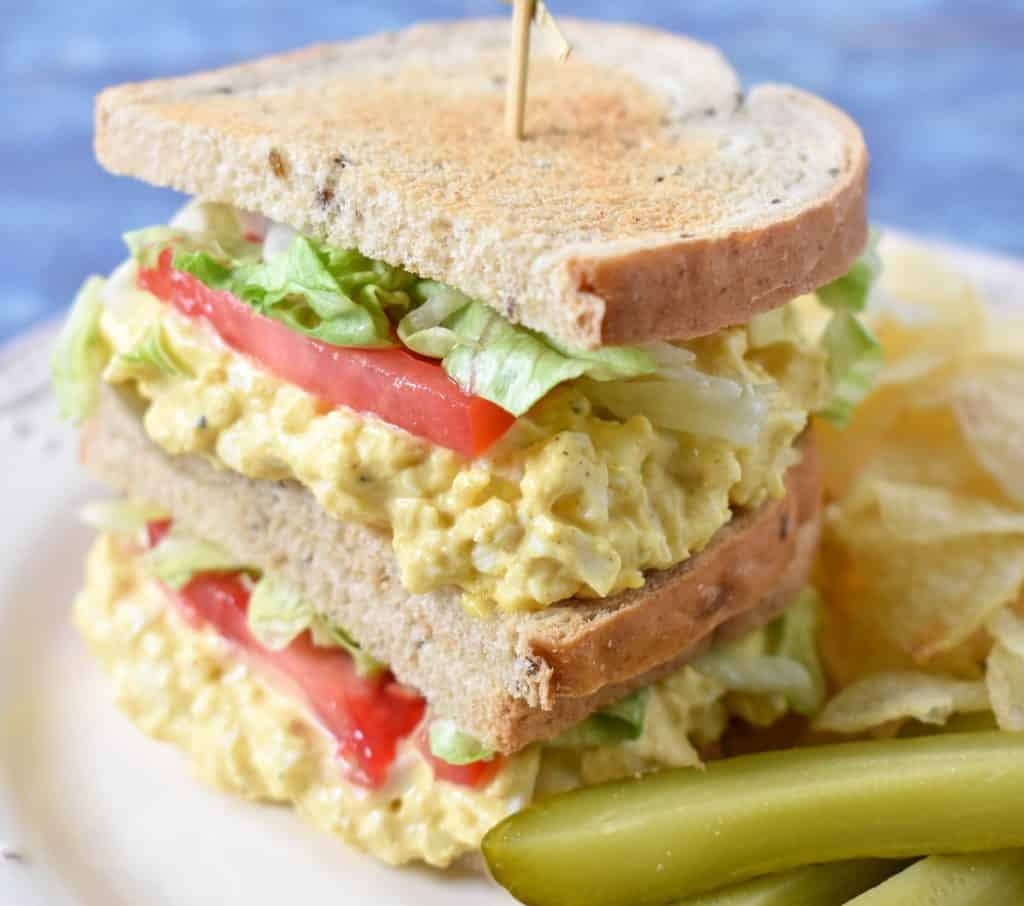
(510,679)
(651,199)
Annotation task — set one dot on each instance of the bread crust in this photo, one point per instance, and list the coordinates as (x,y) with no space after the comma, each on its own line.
(510,679)
(652,198)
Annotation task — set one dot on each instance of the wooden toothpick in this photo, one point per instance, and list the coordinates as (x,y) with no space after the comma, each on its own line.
(518,66)
(523,14)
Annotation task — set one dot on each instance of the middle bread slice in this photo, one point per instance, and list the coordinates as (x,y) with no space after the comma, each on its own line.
(507,679)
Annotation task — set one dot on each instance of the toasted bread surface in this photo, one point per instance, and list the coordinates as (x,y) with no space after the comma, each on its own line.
(509,679)
(651,199)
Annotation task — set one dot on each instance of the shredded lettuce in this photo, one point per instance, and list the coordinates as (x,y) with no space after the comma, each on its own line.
(794,635)
(119,515)
(450,744)
(488,356)
(854,362)
(80,355)
(334,295)
(690,401)
(854,353)
(326,634)
(177,558)
(277,615)
(618,722)
(850,292)
(152,355)
(202,226)
(344,298)
(760,674)
(782,660)
(331,295)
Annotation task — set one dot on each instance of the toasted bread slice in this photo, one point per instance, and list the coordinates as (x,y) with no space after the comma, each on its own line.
(651,199)
(509,679)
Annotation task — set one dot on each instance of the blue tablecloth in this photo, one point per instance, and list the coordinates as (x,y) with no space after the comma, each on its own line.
(937,86)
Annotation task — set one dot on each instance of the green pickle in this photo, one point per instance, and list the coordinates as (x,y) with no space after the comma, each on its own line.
(673,834)
(812,885)
(981,879)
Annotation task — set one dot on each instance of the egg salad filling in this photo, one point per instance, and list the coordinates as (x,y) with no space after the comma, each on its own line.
(530,473)
(186,684)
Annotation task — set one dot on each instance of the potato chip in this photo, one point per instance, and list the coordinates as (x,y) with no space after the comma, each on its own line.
(988,401)
(1005,681)
(924,314)
(922,513)
(896,436)
(925,598)
(1007,628)
(925,536)
(1005,670)
(883,698)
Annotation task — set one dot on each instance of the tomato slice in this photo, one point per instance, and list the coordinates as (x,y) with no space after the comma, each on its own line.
(157,530)
(475,774)
(367,716)
(403,389)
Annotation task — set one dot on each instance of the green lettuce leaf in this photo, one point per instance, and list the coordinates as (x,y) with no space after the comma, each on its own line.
(697,403)
(118,515)
(278,615)
(213,228)
(513,367)
(794,636)
(177,558)
(326,634)
(335,295)
(855,359)
(450,744)
(300,289)
(854,353)
(741,667)
(80,355)
(618,722)
(344,298)
(152,355)
(850,292)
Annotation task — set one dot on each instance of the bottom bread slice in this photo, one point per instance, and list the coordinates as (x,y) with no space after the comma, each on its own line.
(509,679)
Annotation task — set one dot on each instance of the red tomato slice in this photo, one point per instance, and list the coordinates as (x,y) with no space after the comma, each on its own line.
(474,774)
(403,389)
(156,530)
(367,716)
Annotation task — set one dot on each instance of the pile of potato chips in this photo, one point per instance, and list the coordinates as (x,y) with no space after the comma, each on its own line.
(922,567)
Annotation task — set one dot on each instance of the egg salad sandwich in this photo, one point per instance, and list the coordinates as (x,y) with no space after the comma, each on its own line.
(456,470)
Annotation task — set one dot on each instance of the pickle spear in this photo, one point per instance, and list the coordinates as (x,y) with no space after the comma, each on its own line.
(981,879)
(673,834)
(812,885)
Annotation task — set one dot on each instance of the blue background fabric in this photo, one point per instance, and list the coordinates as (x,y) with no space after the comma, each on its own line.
(937,86)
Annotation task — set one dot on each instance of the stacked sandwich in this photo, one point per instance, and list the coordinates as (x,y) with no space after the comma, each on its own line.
(458,469)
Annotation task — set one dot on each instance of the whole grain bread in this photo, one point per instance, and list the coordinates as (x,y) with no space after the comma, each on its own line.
(651,199)
(510,679)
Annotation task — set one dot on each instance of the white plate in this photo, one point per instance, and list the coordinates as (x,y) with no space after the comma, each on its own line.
(91,811)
